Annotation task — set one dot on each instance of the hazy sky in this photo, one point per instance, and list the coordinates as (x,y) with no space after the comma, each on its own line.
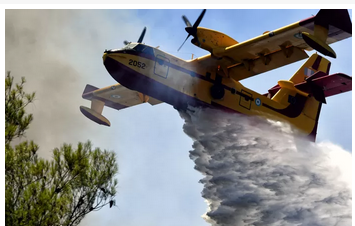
(60,51)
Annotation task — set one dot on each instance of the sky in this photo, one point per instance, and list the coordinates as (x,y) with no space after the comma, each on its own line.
(60,51)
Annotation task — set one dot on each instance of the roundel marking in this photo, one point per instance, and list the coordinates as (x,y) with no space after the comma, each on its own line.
(115,96)
(298,35)
(257,102)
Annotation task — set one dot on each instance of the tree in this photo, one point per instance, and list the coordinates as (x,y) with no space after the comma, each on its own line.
(56,192)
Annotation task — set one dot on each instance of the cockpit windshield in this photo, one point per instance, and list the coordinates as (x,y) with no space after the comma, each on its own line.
(144,49)
(139,48)
(136,47)
(130,46)
(127,47)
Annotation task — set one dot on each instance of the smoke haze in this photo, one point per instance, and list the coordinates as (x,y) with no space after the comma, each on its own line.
(59,52)
(257,173)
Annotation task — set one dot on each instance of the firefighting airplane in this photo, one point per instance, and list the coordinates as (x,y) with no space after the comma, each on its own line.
(148,74)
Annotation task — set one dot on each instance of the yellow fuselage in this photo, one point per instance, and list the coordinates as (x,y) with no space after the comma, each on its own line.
(180,83)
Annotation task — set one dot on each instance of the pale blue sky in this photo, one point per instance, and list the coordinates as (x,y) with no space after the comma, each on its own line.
(61,52)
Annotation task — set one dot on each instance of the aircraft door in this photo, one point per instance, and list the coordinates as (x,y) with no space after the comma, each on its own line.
(161,66)
(245,99)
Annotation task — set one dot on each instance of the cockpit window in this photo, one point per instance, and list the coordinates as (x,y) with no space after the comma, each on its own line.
(139,48)
(144,49)
(129,46)
(135,47)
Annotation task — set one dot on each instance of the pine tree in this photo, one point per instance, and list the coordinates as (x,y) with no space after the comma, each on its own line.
(61,191)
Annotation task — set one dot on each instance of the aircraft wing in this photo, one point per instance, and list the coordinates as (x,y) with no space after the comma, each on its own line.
(282,46)
(116,96)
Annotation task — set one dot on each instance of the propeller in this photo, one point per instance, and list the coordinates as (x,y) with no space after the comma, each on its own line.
(192,30)
(140,37)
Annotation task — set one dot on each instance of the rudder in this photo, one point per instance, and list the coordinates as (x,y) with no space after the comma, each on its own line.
(287,91)
(312,65)
(312,107)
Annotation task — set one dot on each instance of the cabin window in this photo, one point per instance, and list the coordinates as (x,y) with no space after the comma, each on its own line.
(148,50)
(160,61)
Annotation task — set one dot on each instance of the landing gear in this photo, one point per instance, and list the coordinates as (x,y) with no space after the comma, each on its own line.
(217,91)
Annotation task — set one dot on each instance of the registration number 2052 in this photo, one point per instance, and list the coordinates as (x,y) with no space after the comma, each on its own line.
(136,63)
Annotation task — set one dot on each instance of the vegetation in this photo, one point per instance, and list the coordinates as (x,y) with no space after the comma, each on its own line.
(60,191)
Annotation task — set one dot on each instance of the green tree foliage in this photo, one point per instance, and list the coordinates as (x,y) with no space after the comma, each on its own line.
(16,120)
(56,192)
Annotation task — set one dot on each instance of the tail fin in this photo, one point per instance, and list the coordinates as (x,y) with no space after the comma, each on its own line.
(313,82)
(314,64)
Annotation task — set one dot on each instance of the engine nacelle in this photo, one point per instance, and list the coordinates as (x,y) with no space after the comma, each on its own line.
(211,39)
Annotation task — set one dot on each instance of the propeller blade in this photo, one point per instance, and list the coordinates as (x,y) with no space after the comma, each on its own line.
(192,30)
(125,42)
(187,22)
(184,42)
(142,35)
(199,19)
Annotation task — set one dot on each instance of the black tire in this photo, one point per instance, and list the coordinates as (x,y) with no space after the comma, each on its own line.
(217,92)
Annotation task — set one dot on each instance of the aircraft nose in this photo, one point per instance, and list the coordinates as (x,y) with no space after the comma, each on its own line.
(104,56)
(108,52)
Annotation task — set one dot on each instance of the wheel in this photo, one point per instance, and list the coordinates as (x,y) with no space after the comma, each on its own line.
(217,92)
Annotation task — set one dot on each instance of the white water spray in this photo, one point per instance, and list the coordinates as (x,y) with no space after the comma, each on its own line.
(256,172)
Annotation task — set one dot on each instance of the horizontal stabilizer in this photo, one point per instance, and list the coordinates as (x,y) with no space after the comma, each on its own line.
(332,84)
(320,85)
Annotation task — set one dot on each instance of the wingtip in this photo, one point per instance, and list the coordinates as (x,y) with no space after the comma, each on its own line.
(89,88)
(94,116)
